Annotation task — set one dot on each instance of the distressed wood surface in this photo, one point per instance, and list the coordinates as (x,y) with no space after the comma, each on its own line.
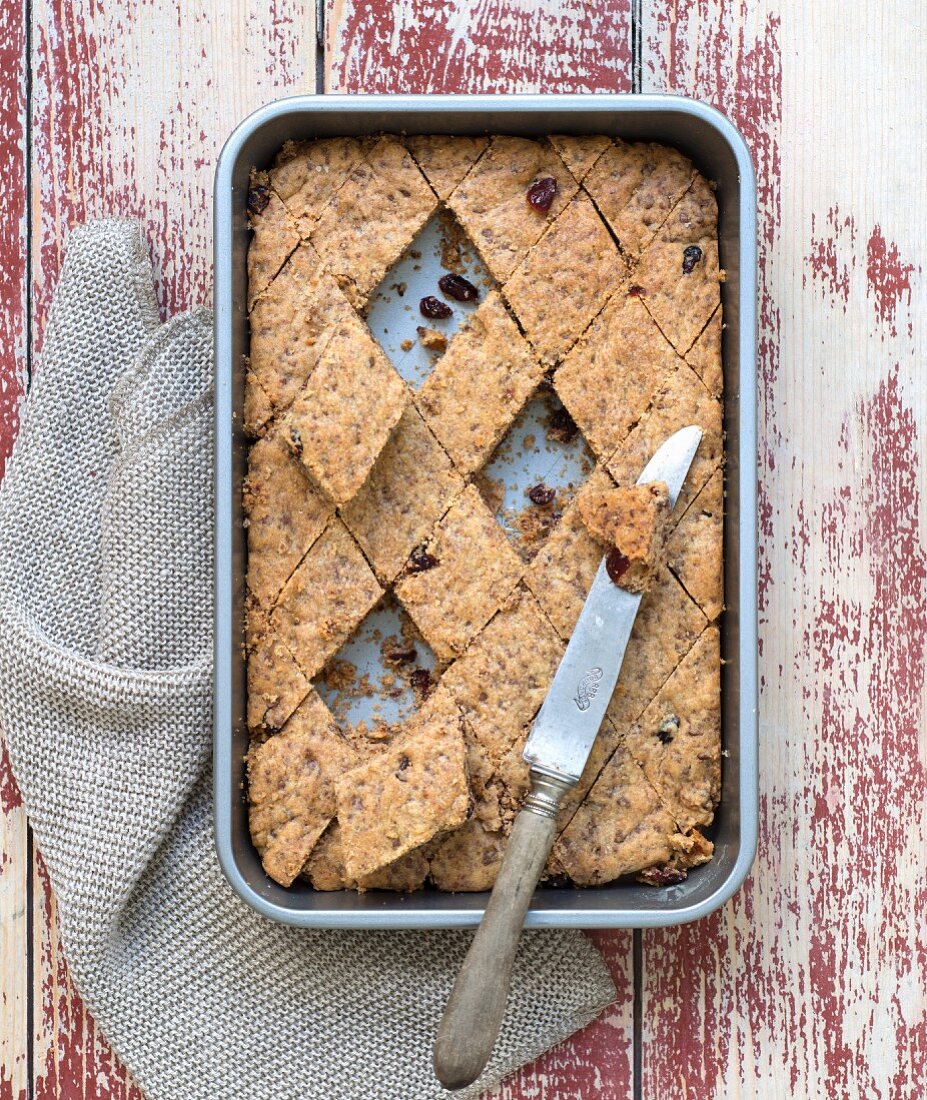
(811,982)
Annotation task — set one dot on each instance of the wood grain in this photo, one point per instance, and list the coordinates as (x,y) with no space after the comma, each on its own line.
(810,983)
(130,106)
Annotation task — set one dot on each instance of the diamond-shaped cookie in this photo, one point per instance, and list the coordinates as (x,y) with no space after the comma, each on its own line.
(291,325)
(622,826)
(608,379)
(385,190)
(491,203)
(407,492)
(324,600)
(488,356)
(466,571)
(678,273)
(274,236)
(291,792)
(401,798)
(343,416)
(445,159)
(276,684)
(565,280)
(693,549)
(310,173)
(677,739)
(636,187)
(284,515)
(680,401)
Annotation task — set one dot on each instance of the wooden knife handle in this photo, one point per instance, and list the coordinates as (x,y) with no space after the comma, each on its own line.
(477,1002)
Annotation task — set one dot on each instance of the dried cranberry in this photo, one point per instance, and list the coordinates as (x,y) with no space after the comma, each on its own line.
(420,560)
(616,565)
(421,682)
(399,654)
(561,426)
(434,307)
(296,441)
(690,258)
(458,288)
(668,729)
(541,494)
(663,876)
(541,194)
(636,291)
(404,762)
(258,198)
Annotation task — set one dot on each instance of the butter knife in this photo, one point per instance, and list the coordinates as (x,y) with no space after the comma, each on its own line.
(556,750)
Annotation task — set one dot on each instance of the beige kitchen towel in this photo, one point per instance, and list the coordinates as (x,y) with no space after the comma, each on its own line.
(105,702)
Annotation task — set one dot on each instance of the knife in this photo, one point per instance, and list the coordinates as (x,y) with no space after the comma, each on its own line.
(556,750)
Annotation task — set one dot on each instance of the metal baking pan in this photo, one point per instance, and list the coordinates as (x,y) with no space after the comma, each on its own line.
(719,152)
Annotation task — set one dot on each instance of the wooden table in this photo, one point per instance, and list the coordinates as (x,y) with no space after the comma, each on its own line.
(811,981)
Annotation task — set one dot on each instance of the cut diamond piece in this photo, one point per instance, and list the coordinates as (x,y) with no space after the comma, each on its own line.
(441,247)
(370,678)
(542,451)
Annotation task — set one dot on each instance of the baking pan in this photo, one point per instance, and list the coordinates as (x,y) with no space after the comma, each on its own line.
(719,152)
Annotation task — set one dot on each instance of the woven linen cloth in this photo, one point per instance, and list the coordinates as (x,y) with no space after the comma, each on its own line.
(105,702)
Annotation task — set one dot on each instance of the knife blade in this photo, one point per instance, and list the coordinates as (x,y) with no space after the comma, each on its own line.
(557,749)
(569,719)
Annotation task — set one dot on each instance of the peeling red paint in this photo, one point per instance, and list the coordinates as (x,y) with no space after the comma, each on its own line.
(889,279)
(9,793)
(445,46)
(832,254)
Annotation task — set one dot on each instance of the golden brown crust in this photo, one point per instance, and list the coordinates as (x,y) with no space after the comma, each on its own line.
(487,355)
(562,571)
(681,401)
(682,290)
(401,798)
(469,859)
(325,599)
(579,153)
(633,520)
(475,570)
(274,238)
(445,159)
(565,279)
(621,827)
(636,187)
(291,787)
(345,413)
(385,189)
(610,376)
(491,203)
(693,549)
(408,490)
(676,740)
(284,516)
(309,174)
(704,357)
(291,325)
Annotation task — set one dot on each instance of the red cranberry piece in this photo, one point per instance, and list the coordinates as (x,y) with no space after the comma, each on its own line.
(636,291)
(663,876)
(541,194)
(458,288)
(420,560)
(541,494)
(690,258)
(561,426)
(399,654)
(258,198)
(434,307)
(421,682)
(616,565)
